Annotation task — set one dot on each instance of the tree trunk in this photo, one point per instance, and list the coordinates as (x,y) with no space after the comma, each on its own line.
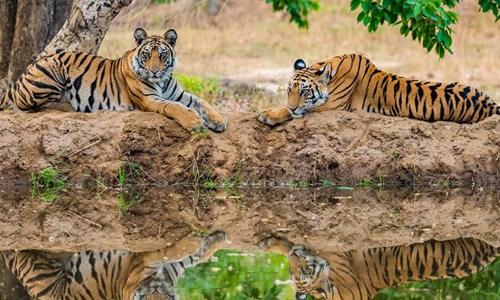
(7,27)
(36,23)
(85,29)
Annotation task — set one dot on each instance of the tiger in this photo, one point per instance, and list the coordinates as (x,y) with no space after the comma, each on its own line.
(114,274)
(360,274)
(352,82)
(141,79)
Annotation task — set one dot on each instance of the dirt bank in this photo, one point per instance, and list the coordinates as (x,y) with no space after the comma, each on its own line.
(322,218)
(340,147)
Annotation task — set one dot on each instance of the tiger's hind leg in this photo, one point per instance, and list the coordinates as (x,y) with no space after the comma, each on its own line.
(42,277)
(43,83)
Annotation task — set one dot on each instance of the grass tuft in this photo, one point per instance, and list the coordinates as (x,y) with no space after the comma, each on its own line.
(48,184)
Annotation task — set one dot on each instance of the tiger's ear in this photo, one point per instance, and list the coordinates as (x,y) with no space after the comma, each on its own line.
(140,35)
(299,64)
(323,74)
(171,37)
(300,296)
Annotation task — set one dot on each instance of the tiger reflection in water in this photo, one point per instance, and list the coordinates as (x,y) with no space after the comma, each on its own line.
(360,274)
(115,274)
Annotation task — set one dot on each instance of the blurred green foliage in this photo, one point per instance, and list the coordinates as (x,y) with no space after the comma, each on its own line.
(245,276)
(298,9)
(484,285)
(239,276)
(206,89)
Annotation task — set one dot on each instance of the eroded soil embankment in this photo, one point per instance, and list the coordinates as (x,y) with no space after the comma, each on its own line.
(321,218)
(336,146)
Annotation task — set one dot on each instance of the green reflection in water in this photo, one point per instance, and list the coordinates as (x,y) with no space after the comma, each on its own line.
(237,275)
(484,284)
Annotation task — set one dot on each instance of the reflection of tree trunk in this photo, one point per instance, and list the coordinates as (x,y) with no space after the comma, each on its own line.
(11,288)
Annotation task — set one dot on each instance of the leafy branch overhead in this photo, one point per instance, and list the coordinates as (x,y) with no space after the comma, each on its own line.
(427,21)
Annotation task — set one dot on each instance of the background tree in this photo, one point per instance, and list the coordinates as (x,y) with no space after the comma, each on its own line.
(26,27)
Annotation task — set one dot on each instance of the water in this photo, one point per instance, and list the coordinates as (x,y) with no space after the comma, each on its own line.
(325,220)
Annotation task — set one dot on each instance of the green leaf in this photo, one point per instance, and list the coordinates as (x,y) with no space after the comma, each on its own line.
(366,5)
(441,34)
(417,9)
(386,3)
(361,16)
(426,12)
(355,4)
(447,40)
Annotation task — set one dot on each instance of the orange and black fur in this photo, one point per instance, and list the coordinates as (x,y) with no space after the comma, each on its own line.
(352,82)
(115,274)
(360,274)
(141,79)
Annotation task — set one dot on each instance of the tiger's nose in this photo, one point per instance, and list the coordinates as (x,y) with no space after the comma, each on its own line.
(154,71)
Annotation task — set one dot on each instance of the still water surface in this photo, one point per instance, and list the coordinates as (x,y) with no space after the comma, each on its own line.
(323,220)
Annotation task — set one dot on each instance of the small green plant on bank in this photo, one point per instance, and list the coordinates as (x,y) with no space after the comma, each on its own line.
(125,205)
(129,172)
(364,183)
(304,183)
(204,133)
(447,183)
(325,183)
(121,176)
(394,156)
(233,181)
(381,179)
(293,184)
(48,184)
(209,180)
(201,233)
(416,175)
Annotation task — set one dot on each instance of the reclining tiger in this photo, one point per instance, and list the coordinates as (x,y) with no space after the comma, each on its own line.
(141,79)
(352,82)
(114,274)
(360,274)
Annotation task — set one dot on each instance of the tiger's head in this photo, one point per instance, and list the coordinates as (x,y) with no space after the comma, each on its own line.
(309,274)
(156,284)
(308,88)
(154,59)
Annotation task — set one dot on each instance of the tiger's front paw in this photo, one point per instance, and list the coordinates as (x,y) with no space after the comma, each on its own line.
(211,244)
(191,121)
(276,245)
(217,122)
(274,116)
